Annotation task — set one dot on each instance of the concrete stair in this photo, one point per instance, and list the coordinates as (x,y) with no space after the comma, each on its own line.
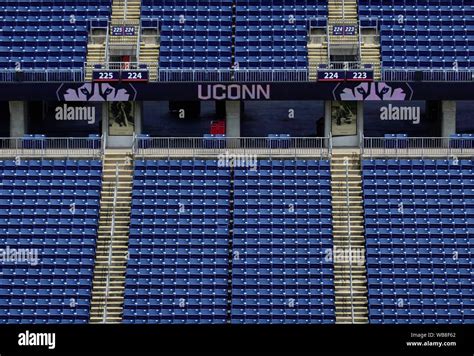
(348,230)
(124,10)
(125,13)
(370,51)
(112,244)
(338,12)
(317,54)
(95,54)
(150,54)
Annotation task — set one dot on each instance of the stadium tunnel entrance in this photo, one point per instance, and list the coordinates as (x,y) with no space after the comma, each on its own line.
(344,121)
(236,119)
(4,119)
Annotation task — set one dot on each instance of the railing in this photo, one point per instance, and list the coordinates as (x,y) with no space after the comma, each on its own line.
(101,23)
(238,75)
(317,22)
(59,147)
(151,39)
(139,41)
(317,39)
(98,39)
(107,48)
(227,147)
(369,22)
(347,65)
(101,274)
(98,24)
(231,75)
(110,247)
(349,232)
(372,147)
(42,75)
(427,75)
(120,65)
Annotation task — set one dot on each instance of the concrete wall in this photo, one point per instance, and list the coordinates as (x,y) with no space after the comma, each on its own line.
(233,118)
(18,118)
(448,118)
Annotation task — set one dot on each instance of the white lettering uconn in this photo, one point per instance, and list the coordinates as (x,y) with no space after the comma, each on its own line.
(233,92)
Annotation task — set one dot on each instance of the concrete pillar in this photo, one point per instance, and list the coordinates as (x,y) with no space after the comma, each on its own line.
(18,117)
(232,118)
(138,117)
(448,118)
(360,121)
(105,121)
(327,118)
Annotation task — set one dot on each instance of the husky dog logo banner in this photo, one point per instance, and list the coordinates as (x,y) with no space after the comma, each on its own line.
(96,92)
(373,92)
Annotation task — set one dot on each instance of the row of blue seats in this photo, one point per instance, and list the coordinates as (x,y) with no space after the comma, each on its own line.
(69,163)
(413,250)
(181,181)
(203,248)
(64,239)
(171,212)
(264,275)
(35,24)
(428,20)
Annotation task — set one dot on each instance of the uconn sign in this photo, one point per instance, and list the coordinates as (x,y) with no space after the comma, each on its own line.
(234,92)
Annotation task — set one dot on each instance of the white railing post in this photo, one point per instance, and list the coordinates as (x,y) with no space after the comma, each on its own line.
(107,39)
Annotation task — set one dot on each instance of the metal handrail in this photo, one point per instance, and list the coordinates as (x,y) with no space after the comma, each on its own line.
(139,41)
(350,238)
(104,144)
(406,147)
(239,146)
(119,65)
(51,147)
(328,40)
(103,270)
(335,66)
(427,75)
(107,49)
(112,233)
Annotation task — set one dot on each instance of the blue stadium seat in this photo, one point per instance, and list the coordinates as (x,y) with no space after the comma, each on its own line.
(419,240)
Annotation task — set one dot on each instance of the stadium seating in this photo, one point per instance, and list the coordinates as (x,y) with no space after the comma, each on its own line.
(423,34)
(178,248)
(274,36)
(194,34)
(48,229)
(419,222)
(47,34)
(282,230)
